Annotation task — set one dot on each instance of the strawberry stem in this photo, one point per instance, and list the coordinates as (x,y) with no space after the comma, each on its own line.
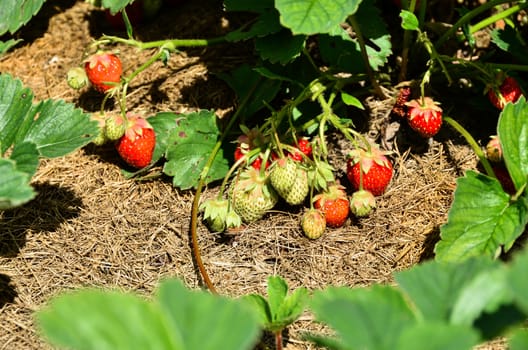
(467,18)
(363,48)
(474,145)
(278,340)
(170,44)
(201,183)
(497,17)
(406,45)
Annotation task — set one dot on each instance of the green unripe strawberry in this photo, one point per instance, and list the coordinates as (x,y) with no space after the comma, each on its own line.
(494,149)
(100,139)
(298,192)
(282,175)
(218,215)
(313,223)
(362,202)
(77,78)
(115,127)
(252,195)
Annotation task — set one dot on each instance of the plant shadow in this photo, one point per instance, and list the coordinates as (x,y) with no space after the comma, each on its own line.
(428,245)
(52,206)
(7,291)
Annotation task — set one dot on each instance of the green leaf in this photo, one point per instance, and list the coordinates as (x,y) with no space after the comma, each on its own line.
(267,23)
(409,20)
(252,88)
(54,126)
(14,14)
(481,219)
(513,135)
(248,6)
(376,34)
(486,292)
(314,16)
(15,103)
(519,340)
(261,307)
(291,308)
(281,47)
(350,100)
(59,128)
(26,156)
(115,5)
(6,45)
(14,185)
(435,288)
(266,72)
(342,52)
(205,321)
(281,309)
(437,336)
(95,319)
(163,124)
(277,291)
(190,144)
(366,318)
(517,281)
(508,39)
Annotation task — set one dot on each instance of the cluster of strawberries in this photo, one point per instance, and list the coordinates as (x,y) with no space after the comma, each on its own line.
(293,173)
(134,137)
(424,115)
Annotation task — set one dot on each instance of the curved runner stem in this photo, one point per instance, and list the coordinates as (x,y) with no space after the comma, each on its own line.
(196,202)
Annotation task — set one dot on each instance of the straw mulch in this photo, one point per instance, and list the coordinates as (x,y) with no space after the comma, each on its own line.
(89,226)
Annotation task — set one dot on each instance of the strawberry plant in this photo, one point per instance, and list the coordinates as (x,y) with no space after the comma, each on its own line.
(280,309)
(484,219)
(314,64)
(13,18)
(176,318)
(434,305)
(30,131)
(293,95)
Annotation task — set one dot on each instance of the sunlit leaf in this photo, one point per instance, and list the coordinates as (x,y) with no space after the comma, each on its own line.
(314,16)
(513,135)
(189,147)
(15,13)
(481,220)
(435,287)
(14,186)
(366,318)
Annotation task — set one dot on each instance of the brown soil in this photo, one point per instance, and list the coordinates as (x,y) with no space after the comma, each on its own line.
(89,226)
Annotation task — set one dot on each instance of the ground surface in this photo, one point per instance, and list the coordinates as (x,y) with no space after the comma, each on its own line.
(89,226)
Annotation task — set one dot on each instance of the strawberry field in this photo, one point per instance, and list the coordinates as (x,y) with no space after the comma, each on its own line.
(287,173)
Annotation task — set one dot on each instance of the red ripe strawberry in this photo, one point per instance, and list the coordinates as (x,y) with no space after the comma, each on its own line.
(253,138)
(369,170)
(136,146)
(240,152)
(424,116)
(303,149)
(334,204)
(508,91)
(103,70)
